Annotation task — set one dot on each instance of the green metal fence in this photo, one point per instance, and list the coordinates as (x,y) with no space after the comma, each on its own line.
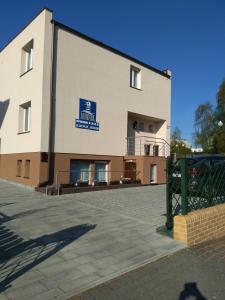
(192,186)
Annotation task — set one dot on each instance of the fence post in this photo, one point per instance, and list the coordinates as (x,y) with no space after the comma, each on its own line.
(184,187)
(169,207)
(211,189)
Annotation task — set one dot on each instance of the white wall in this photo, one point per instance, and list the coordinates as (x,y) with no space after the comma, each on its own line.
(85,70)
(33,86)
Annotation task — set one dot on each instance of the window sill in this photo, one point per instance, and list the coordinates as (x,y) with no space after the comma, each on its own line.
(22,132)
(133,87)
(26,72)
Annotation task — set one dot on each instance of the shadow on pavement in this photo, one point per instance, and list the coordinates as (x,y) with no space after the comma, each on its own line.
(191,290)
(18,256)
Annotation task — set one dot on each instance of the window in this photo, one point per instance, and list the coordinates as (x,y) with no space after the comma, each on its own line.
(19,168)
(147,148)
(156,150)
(27,57)
(151,128)
(24,117)
(135,77)
(101,173)
(79,170)
(141,126)
(27,169)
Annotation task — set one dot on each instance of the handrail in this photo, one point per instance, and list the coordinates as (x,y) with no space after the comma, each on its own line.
(149,137)
(136,145)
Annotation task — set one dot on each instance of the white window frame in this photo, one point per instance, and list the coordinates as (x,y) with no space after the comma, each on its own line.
(25,117)
(135,77)
(27,57)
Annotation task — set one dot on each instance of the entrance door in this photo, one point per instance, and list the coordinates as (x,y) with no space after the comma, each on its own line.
(130,170)
(153,173)
(79,170)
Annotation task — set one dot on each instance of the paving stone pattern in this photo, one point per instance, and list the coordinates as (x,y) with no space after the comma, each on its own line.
(55,247)
(196,273)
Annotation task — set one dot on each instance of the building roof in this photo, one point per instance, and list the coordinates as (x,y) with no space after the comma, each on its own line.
(96,42)
(107,47)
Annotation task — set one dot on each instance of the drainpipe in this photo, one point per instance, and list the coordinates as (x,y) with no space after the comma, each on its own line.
(51,115)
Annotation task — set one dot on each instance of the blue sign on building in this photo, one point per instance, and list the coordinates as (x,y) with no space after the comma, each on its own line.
(87,115)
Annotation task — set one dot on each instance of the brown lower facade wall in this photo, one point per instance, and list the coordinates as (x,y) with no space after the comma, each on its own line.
(62,165)
(200,225)
(39,169)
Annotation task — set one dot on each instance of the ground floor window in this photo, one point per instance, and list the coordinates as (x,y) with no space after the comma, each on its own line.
(19,168)
(27,169)
(101,171)
(79,170)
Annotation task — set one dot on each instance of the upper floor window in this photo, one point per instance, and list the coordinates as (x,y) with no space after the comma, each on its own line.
(141,126)
(135,77)
(27,57)
(151,128)
(24,117)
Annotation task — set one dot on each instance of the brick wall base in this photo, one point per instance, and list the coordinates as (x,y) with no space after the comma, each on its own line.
(200,225)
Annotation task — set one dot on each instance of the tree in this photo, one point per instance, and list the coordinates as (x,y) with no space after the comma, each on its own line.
(205,127)
(219,134)
(207,132)
(176,134)
(221,97)
(178,145)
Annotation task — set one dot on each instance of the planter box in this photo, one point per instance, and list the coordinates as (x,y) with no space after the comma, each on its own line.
(114,182)
(100,183)
(81,183)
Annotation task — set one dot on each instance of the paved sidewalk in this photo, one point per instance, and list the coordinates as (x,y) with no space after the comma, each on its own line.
(55,247)
(194,273)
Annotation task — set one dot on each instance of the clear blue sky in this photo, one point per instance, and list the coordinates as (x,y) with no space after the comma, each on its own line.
(187,36)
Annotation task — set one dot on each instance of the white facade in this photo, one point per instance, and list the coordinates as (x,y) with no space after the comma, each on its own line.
(17,88)
(45,71)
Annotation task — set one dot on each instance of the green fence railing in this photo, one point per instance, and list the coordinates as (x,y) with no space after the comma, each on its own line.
(193,185)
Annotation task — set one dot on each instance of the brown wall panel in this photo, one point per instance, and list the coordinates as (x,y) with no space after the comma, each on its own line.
(8,167)
(62,165)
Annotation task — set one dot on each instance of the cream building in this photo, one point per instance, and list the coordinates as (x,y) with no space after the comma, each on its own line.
(74,109)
